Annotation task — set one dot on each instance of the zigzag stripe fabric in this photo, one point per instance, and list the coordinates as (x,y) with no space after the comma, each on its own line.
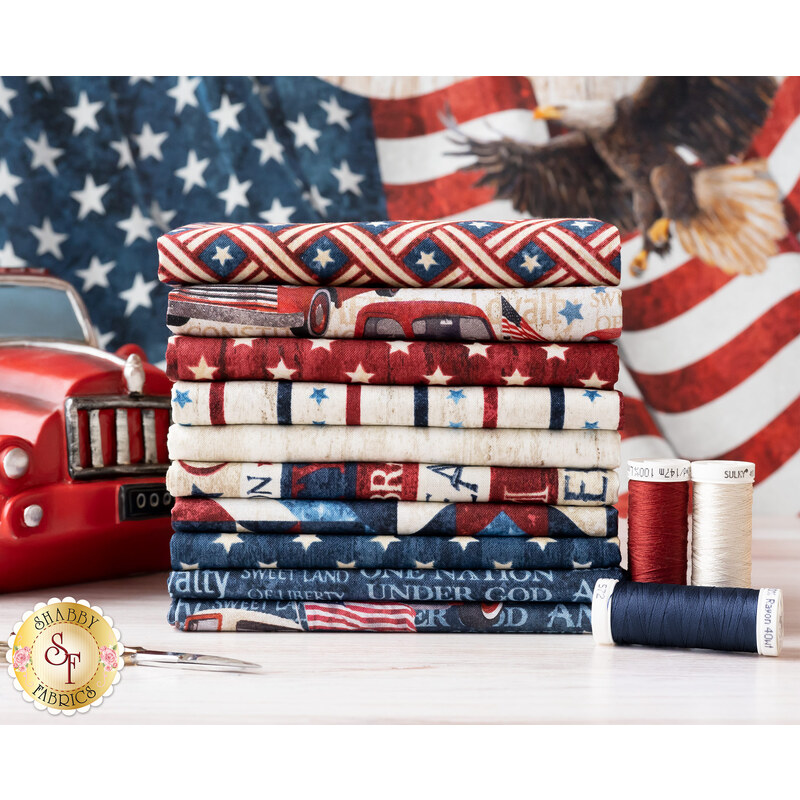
(266,616)
(569,314)
(287,403)
(383,481)
(402,585)
(588,366)
(395,517)
(557,252)
(334,551)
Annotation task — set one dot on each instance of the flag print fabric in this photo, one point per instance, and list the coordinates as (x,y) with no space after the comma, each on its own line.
(398,363)
(441,483)
(559,252)
(335,551)
(404,585)
(273,616)
(286,403)
(502,447)
(569,314)
(390,517)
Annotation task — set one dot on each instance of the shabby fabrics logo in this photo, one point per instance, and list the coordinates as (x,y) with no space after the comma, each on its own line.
(65,656)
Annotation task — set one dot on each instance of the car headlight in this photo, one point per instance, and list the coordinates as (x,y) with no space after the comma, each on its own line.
(15,462)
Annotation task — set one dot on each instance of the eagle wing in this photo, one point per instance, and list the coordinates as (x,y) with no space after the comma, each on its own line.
(565,177)
(714,117)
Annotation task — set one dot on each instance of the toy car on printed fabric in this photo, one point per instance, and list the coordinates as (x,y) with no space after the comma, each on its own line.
(83,443)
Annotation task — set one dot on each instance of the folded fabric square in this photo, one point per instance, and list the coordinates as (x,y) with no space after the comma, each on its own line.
(558,252)
(390,362)
(292,403)
(390,517)
(402,585)
(266,616)
(568,314)
(383,481)
(502,447)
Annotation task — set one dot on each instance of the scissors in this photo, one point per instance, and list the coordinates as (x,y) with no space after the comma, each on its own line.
(143,657)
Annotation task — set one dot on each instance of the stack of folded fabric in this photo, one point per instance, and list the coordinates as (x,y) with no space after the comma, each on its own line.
(393,426)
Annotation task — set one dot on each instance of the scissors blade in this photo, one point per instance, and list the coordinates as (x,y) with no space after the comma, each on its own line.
(139,656)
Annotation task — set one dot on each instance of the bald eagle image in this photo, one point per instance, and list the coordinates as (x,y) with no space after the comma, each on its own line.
(622,162)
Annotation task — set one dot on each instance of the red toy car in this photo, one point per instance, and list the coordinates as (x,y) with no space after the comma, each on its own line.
(83,444)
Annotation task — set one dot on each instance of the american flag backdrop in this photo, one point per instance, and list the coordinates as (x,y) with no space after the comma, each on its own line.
(92,170)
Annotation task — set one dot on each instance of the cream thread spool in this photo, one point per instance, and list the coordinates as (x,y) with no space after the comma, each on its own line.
(722,523)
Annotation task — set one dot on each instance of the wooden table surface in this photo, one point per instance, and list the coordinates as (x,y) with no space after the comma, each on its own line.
(435,678)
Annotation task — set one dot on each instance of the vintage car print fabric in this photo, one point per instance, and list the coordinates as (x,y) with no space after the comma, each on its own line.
(501,447)
(266,616)
(297,403)
(442,483)
(336,551)
(395,517)
(558,252)
(581,365)
(567,314)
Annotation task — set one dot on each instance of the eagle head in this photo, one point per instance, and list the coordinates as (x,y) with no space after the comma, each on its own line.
(592,117)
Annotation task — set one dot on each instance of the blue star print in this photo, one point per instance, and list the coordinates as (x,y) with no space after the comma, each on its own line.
(571,311)
(317,423)
(600,290)
(456,424)
(456,395)
(319,395)
(181,398)
(591,425)
(592,394)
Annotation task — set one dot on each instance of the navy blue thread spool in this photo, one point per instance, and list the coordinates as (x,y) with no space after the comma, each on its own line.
(660,615)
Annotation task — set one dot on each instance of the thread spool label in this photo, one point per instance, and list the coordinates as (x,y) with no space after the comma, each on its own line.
(723,471)
(769,625)
(601,610)
(659,470)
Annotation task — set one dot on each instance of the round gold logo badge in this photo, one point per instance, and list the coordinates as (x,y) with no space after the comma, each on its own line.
(65,656)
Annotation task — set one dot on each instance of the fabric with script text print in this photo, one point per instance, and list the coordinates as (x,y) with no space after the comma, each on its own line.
(556,252)
(400,363)
(384,551)
(501,447)
(250,616)
(441,483)
(287,403)
(566,314)
(402,585)
(395,517)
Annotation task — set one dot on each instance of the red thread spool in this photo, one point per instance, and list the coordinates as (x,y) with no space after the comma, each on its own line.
(658,520)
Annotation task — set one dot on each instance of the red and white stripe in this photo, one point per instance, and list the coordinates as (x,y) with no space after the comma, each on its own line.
(360,617)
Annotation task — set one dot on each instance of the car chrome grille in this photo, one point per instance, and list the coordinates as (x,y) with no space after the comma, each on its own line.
(116,435)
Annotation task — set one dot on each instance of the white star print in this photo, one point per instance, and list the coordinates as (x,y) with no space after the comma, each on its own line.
(477,349)
(323,257)
(96,274)
(161,217)
(304,134)
(203,372)
(317,201)
(542,541)
(336,115)
(138,296)
(384,540)
(44,155)
(235,195)
(226,116)
(515,378)
(593,381)
(183,93)
(228,540)
(149,143)
(6,96)
(399,347)
(581,564)
(136,226)
(269,147)
(427,260)
(423,565)
(555,351)
(271,565)
(277,214)
(104,339)
(222,255)
(246,342)
(281,372)
(360,375)
(463,541)
(49,240)
(530,262)
(438,377)
(84,114)
(306,539)
(581,224)
(190,566)
(348,180)
(324,344)
(348,565)
(90,198)
(123,148)
(44,80)
(8,183)
(501,565)
(8,258)
(192,173)
(134,79)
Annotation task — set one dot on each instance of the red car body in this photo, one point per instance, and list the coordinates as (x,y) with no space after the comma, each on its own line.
(83,456)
